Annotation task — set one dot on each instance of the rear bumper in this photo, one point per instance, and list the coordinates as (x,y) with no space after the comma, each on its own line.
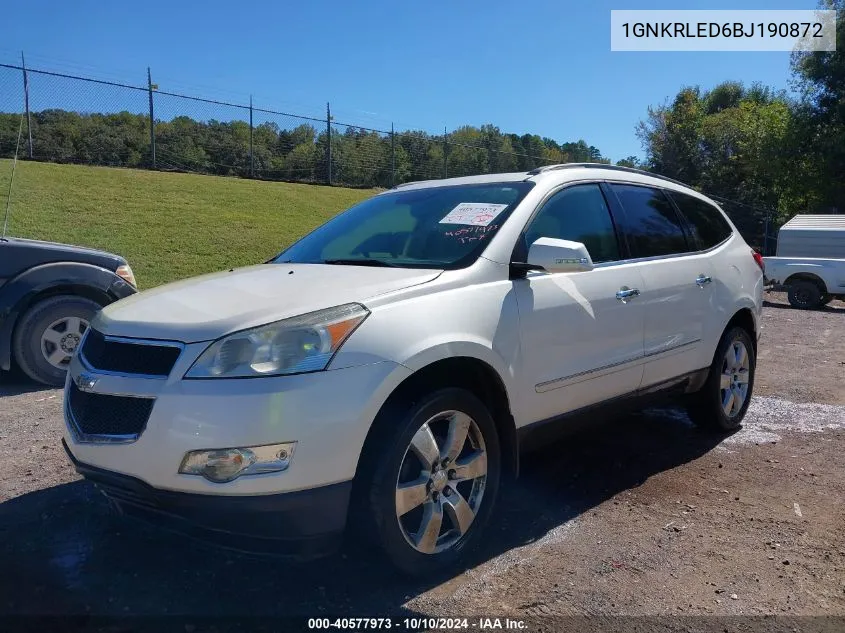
(302,524)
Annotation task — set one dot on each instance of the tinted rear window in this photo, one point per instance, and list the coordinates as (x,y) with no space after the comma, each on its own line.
(707,223)
(650,222)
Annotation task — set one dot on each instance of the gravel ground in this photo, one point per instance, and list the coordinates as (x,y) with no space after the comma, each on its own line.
(643,515)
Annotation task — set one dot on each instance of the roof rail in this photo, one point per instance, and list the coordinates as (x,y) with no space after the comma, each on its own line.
(642,172)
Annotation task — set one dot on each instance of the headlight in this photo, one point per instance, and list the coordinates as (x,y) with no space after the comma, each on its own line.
(297,345)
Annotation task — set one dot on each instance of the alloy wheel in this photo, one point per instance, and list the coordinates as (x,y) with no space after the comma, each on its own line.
(60,339)
(441,482)
(733,386)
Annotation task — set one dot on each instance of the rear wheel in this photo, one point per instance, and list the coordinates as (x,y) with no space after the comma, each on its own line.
(434,480)
(722,402)
(804,295)
(48,334)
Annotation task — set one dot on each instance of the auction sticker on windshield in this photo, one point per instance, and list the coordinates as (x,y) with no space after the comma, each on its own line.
(473,213)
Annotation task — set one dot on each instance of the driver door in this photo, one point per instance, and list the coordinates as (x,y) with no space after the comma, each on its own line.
(580,343)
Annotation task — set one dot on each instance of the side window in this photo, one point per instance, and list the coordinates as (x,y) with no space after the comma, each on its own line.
(706,220)
(650,222)
(579,214)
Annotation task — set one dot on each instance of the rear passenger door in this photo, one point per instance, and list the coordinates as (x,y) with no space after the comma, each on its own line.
(677,280)
(711,232)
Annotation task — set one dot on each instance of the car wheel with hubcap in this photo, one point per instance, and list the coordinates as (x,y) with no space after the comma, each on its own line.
(723,400)
(49,333)
(434,481)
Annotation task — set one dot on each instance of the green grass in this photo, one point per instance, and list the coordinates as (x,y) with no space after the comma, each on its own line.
(168,226)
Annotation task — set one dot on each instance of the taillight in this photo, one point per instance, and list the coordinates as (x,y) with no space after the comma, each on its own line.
(758,258)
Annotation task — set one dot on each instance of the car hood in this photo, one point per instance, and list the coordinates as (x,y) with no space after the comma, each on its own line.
(208,307)
(17,255)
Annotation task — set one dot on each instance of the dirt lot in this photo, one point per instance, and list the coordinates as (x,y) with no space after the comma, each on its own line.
(643,515)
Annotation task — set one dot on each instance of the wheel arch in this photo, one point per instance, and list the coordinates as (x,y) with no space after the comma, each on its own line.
(467,372)
(805,276)
(14,312)
(743,318)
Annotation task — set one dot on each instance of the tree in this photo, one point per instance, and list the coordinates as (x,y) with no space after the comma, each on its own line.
(732,143)
(821,125)
(630,161)
(359,157)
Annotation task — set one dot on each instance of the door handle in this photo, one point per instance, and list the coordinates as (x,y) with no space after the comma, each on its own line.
(625,293)
(701,280)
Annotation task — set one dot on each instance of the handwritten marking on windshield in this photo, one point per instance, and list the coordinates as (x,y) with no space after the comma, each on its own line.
(472,233)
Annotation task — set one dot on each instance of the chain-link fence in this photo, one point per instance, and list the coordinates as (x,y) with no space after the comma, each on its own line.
(72,119)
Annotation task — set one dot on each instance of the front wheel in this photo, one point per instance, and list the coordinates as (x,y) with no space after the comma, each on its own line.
(434,482)
(48,334)
(722,402)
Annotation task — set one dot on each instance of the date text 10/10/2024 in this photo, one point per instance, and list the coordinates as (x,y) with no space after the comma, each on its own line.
(417,624)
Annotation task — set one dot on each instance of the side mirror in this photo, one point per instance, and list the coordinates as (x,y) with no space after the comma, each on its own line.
(559,256)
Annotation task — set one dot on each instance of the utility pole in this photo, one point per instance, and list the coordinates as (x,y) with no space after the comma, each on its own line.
(152,119)
(392,156)
(445,153)
(329,143)
(251,155)
(26,104)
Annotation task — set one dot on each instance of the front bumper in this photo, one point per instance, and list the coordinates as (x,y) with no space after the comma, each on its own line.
(328,414)
(304,524)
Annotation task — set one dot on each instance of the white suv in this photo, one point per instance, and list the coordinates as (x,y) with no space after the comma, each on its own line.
(386,369)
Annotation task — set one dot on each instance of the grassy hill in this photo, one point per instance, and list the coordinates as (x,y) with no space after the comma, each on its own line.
(169,226)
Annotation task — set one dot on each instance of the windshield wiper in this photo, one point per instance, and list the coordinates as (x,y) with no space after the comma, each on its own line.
(358,262)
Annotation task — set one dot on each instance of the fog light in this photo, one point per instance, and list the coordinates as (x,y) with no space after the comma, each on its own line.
(227,464)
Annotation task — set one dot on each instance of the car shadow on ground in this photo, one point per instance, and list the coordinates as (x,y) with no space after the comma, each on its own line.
(12,383)
(834,307)
(64,553)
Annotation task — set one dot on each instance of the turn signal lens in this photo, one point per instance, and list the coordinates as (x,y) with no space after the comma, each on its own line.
(126,274)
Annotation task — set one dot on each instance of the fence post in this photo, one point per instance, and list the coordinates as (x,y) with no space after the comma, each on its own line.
(445,153)
(392,156)
(328,143)
(26,104)
(766,235)
(152,119)
(251,159)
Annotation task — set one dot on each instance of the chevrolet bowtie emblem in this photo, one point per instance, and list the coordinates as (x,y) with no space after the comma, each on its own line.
(85,381)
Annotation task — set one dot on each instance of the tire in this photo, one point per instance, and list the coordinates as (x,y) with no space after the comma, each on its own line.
(826,299)
(393,461)
(708,408)
(804,295)
(50,326)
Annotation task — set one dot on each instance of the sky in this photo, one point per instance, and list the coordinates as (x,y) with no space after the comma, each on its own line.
(543,67)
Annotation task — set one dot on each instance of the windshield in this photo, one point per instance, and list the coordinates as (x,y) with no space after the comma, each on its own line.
(435,227)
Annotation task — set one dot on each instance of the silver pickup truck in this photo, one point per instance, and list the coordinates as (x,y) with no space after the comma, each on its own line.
(810,261)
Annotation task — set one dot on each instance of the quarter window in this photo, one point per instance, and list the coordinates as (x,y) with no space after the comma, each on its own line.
(579,214)
(650,222)
(707,223)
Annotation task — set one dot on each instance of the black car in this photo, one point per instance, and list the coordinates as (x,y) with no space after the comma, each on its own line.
(48,294)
